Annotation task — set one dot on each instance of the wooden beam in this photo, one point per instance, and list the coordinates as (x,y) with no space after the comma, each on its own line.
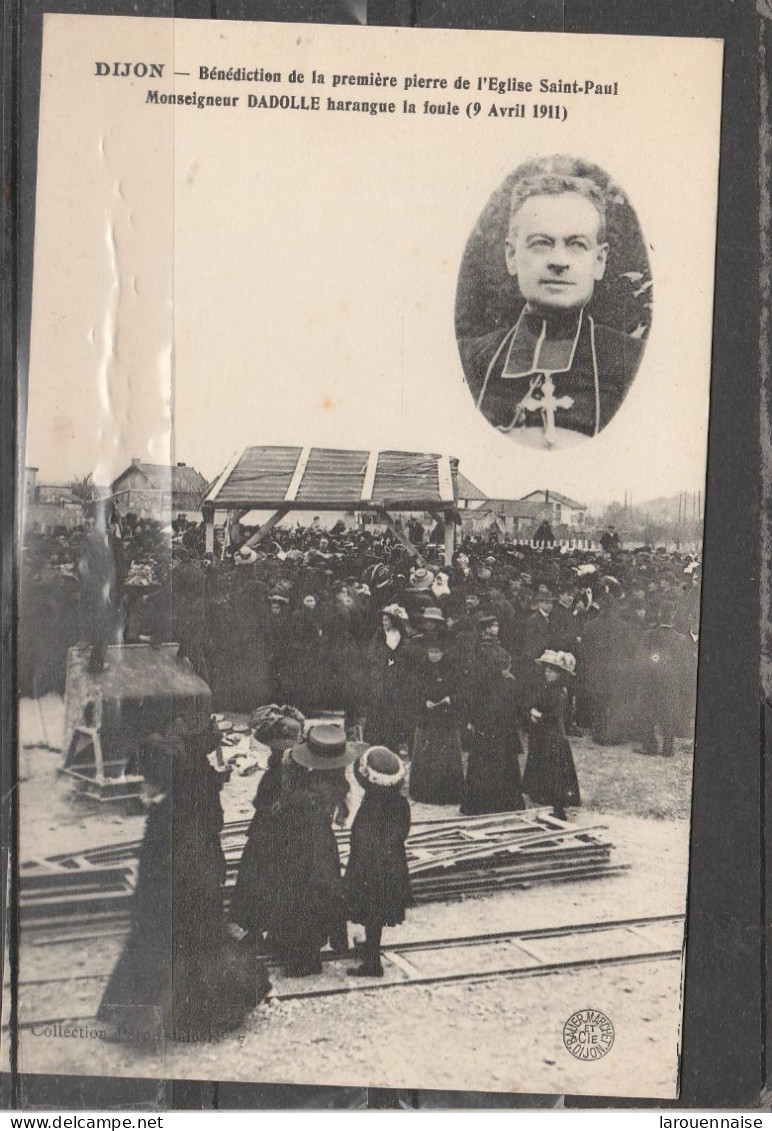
(401,538)
(297,476)
(369,481)
(267,526)
(224,477)
(445,480)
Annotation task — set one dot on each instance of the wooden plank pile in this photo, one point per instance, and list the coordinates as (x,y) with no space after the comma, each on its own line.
(459,856)
(448,859)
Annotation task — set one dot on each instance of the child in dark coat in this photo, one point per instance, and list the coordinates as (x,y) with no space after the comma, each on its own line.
(377,881)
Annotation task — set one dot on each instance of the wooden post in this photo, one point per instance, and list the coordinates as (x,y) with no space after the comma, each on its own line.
(401,538)
(235,515)
(450,540)
(209,529)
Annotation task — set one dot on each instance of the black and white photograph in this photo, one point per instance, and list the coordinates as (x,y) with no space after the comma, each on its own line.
(356,692)
(558,374)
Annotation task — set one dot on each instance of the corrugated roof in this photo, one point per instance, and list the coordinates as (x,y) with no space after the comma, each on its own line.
(266,477)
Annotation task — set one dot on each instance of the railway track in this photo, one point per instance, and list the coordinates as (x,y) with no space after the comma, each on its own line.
(451,858)
(469,959)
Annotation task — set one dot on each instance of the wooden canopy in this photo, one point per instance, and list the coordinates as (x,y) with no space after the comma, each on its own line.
(282,479)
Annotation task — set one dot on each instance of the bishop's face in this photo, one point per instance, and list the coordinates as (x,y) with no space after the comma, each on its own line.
(554,251)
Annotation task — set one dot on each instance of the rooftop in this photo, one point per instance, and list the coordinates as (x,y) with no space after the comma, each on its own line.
(543,497)
(264,477)
(467,489)
(163,477)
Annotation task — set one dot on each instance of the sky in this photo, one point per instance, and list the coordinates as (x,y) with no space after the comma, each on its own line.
(207,280)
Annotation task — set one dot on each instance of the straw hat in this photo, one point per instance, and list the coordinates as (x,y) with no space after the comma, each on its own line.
(563,661)
(421,579)
(326,748)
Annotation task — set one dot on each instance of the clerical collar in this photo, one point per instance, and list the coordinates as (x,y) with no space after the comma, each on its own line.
(543,342)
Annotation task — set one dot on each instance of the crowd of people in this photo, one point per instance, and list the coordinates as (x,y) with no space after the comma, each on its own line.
(420,656)
(439,676)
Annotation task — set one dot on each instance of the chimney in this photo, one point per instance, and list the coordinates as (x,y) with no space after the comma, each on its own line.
(180,463)
(136,461)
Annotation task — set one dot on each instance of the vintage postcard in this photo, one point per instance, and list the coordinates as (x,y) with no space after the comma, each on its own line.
(361,544)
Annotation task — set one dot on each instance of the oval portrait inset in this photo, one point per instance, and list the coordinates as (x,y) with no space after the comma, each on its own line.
(553,304)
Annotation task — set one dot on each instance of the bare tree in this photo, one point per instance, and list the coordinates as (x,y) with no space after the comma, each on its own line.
(83,489)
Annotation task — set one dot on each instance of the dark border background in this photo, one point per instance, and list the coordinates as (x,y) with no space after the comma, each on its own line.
(724,1058)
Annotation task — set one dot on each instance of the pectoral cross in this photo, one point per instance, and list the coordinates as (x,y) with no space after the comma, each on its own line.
(545,405)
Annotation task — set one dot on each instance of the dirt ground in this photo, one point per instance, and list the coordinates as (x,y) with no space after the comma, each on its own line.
(502,1035)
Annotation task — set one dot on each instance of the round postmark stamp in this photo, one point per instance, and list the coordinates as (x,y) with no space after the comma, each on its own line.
(588,1034)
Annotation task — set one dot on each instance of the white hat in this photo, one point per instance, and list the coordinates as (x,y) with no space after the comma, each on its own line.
(396,612)
(380,766)
(565,661)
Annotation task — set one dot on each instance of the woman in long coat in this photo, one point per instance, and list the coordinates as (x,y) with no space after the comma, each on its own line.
(309,909)
(550,774)
(258,882)
(340,658)
(493,782)
(389,667)
(436,770)
(377,881)
(306,657)
(181,972)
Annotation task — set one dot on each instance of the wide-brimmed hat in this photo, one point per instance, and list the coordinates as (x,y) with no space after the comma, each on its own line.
(421,579)
(433,614)
(325,748)
(245,556)
(563,661)
(380,767)
(396,612)
(379,576)
(277,727)
(277,595)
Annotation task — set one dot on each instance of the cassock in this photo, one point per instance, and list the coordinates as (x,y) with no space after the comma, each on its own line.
(551,379)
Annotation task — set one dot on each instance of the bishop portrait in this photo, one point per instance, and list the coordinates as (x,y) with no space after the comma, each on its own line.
(557,376)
